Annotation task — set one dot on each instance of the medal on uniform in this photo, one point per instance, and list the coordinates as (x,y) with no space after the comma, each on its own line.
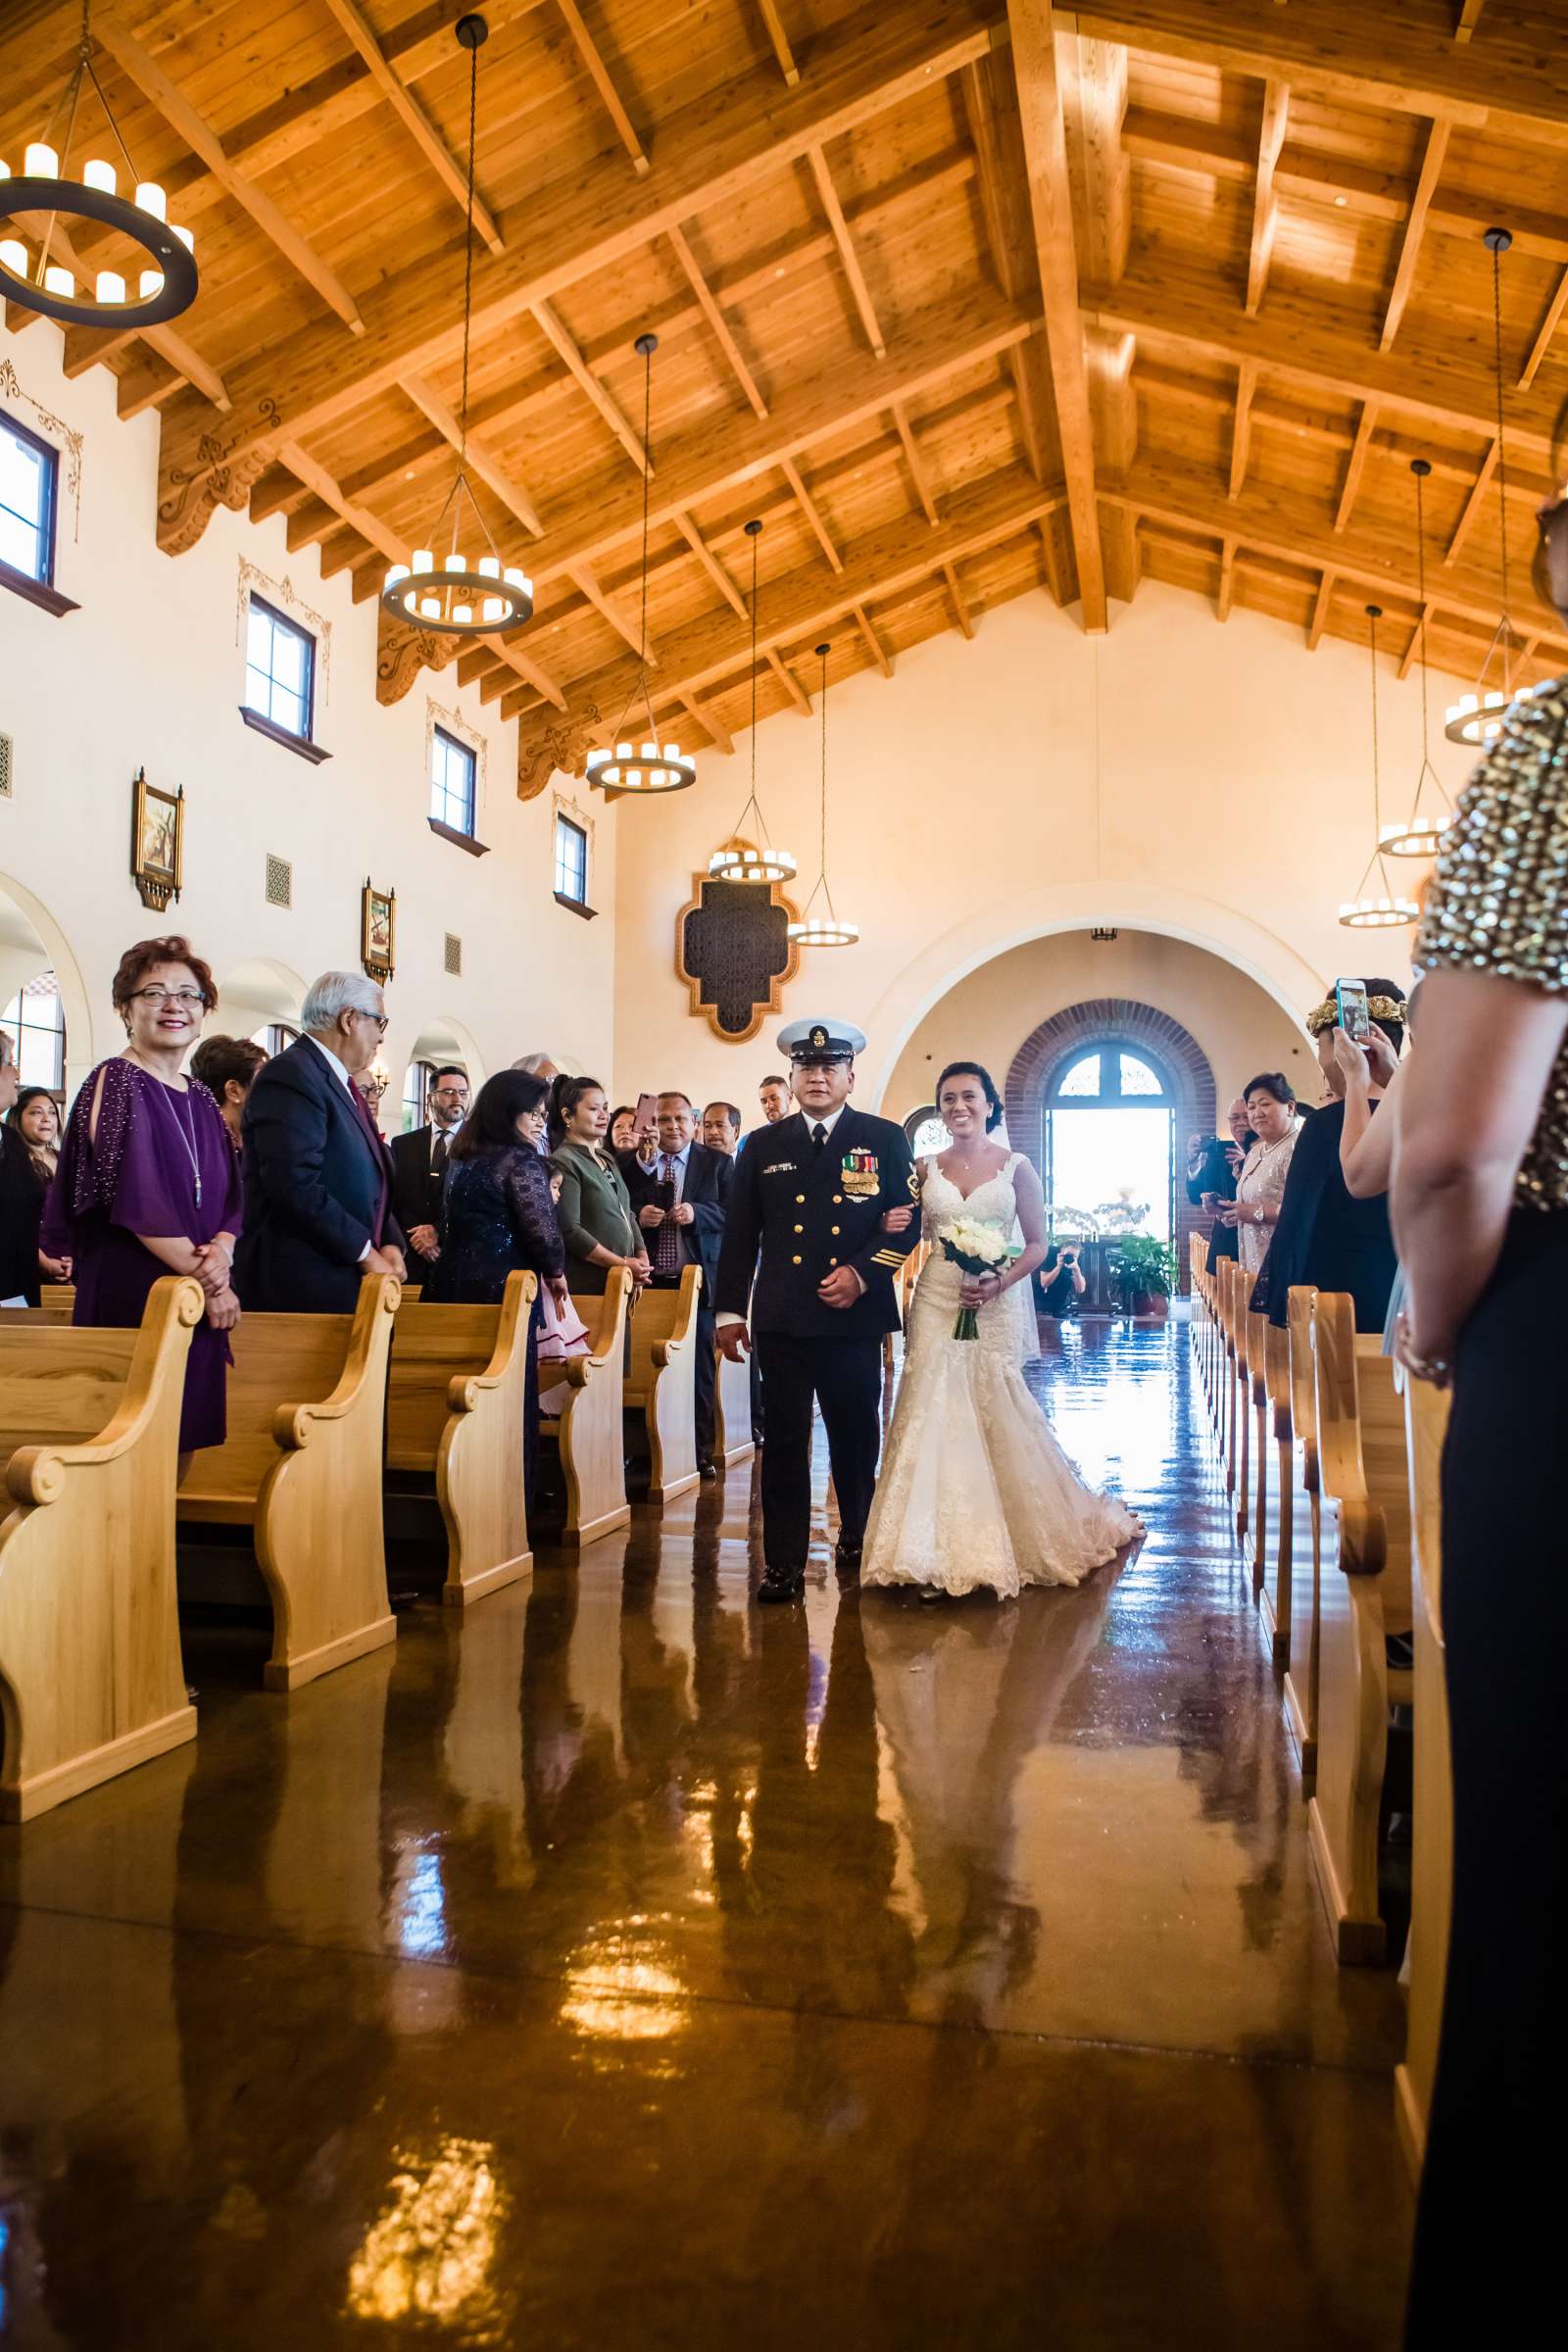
(860,1175)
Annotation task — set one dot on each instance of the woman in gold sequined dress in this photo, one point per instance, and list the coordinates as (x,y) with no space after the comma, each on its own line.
(1481,1217)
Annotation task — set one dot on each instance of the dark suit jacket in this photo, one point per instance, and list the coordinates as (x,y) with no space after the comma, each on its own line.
(709,1176)
(313,1183)
(800,1209)
(417,1197)
(1325,1236)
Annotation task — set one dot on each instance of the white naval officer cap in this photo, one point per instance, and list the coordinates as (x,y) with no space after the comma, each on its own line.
(821,1041)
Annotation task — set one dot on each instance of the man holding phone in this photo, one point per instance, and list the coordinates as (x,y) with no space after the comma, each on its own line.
(679,1195)
(1213,1164)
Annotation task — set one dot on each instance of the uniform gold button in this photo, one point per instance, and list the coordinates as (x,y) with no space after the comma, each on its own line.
(833,1229)
(802,1229)
(797,1261)
(838,1200)
(800,1199)
(832,1261)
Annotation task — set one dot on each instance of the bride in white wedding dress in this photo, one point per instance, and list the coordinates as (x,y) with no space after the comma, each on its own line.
(975,1493)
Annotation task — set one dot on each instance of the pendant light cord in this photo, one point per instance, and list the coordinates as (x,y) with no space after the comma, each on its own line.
(468,251)
(823,860)
(642,625)
(1503,454)
(1421,580)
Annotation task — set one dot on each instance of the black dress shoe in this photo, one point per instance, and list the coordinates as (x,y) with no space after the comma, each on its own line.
(709,1470)
(847,1556)
(782,1583)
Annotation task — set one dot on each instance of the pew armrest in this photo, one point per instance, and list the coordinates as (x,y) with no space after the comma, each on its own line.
(465,1389)
(292,1424)
(36,1474)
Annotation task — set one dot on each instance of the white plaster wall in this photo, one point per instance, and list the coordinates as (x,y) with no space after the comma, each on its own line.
(149,673)
(1209,782)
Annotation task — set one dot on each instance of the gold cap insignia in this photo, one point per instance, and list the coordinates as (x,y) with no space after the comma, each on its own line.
(818,1035)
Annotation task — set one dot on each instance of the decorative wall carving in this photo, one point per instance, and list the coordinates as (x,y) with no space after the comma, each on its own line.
(401,652)
(282,592)
(186,498)
(547,740)
(53,428)
(734,953)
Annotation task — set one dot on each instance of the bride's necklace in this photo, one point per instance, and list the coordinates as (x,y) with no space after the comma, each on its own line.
(186,1132)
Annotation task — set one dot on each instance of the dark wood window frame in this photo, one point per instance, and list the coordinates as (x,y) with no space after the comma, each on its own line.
(459,840)
(463,836)
(575,906)
(305,743)
(42,590)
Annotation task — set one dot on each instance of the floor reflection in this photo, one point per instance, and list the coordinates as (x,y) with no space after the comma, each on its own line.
(406,1998)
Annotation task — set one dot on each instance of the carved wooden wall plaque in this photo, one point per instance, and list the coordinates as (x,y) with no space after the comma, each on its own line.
(734,953)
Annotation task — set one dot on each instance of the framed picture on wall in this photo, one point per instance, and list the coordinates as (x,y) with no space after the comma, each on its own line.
(378,931)
(157,841)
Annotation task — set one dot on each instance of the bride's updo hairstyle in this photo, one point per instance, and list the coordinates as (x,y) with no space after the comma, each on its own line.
(974,1069)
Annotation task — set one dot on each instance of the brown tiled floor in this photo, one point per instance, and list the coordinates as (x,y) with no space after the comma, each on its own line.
(629,1966)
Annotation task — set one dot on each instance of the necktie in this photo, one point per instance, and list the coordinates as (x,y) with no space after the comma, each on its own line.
(438,1158)
(819,1135)
(667,1241)
(372,1136)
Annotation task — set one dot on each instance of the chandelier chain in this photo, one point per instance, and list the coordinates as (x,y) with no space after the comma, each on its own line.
(468,251)
(823,859)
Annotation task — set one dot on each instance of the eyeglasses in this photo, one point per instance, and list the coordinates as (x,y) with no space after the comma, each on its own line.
(379,1018)
(186,996)
(449,1094)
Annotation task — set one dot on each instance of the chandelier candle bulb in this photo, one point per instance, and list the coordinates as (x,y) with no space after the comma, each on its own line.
(99,174)
(40,161)
(494,609)
(57,280)
(151,285)
(490,568)
(111,286)
(187,238)
(14,254)
(150,198)
(430,607)
(421,559)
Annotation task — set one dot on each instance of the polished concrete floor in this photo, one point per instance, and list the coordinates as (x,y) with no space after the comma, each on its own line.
(624,1965)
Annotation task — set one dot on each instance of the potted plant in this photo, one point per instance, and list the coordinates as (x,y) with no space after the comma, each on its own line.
(1144,1272)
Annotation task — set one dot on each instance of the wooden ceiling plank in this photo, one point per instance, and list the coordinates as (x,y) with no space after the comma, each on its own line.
(1046,531)
(88,347)
(917,465)
(789,681)
(710,563)
(1545,332)
(1469,18)
(600,75)
(199,136)
(1426,188)
(849,258)
(960,602)
(309,524)
(717,319)
(979,109)
(452,174)
(171,347)
(1320,611)
(1471,511)
(878,649)
(860,66)
(603,401)
(768,10)
(506,486)
(1241,424)
(1266,202)
(1049,197)
(144,387)
(807,505)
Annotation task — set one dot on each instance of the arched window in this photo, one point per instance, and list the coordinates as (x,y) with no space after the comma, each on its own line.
(1109,1116)
(927,1134)
(273,1036)
(35,1021)
(417,1086)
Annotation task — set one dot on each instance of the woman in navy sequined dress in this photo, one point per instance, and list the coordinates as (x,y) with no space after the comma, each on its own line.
(500,1216)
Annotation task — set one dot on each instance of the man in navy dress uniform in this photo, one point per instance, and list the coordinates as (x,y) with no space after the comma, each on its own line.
(809,1193)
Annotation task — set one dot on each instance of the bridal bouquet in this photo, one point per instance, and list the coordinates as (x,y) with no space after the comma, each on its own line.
(974,1248)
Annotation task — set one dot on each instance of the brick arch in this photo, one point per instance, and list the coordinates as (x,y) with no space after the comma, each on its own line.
(1142,1029)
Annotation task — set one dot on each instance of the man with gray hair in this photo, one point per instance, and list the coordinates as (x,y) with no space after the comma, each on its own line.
(540,1065)
(317,1175)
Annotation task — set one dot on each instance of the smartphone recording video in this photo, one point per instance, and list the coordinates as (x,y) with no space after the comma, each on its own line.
(1349,996)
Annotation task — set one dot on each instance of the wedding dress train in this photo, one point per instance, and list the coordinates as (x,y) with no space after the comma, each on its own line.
(975,1493)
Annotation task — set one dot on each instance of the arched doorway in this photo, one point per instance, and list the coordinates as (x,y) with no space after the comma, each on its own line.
(1111,1057)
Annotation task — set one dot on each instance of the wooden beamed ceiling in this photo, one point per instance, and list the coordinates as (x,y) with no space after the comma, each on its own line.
(964,298)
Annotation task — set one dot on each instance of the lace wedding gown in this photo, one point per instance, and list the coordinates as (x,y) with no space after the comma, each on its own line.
(975,1493)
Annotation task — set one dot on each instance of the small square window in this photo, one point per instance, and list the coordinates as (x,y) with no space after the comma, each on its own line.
(453,772)
(571,861)
(29,469)
(280,670)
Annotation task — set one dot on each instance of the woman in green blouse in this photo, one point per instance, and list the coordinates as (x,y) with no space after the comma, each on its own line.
(597,1223)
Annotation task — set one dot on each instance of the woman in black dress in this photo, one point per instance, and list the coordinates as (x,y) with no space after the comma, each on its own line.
(500,1217)
(29,1154)
(1481,1217)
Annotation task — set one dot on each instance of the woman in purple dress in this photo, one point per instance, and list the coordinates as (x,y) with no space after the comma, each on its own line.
(148,1183)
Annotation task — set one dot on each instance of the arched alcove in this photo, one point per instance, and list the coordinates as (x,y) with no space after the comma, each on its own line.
(31,942)
(1114,1023)
(257,995)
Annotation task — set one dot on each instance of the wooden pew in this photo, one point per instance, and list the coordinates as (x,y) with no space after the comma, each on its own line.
(91,1682)
(1278,1557)
(1225,1419)
(1240,1465)
(588,1432)
(302,1469)
(1265,1500)
(455,1413)
(1364,1595)
(1302,1665)
(732,1413)
(661,1384)
(1426,1426)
